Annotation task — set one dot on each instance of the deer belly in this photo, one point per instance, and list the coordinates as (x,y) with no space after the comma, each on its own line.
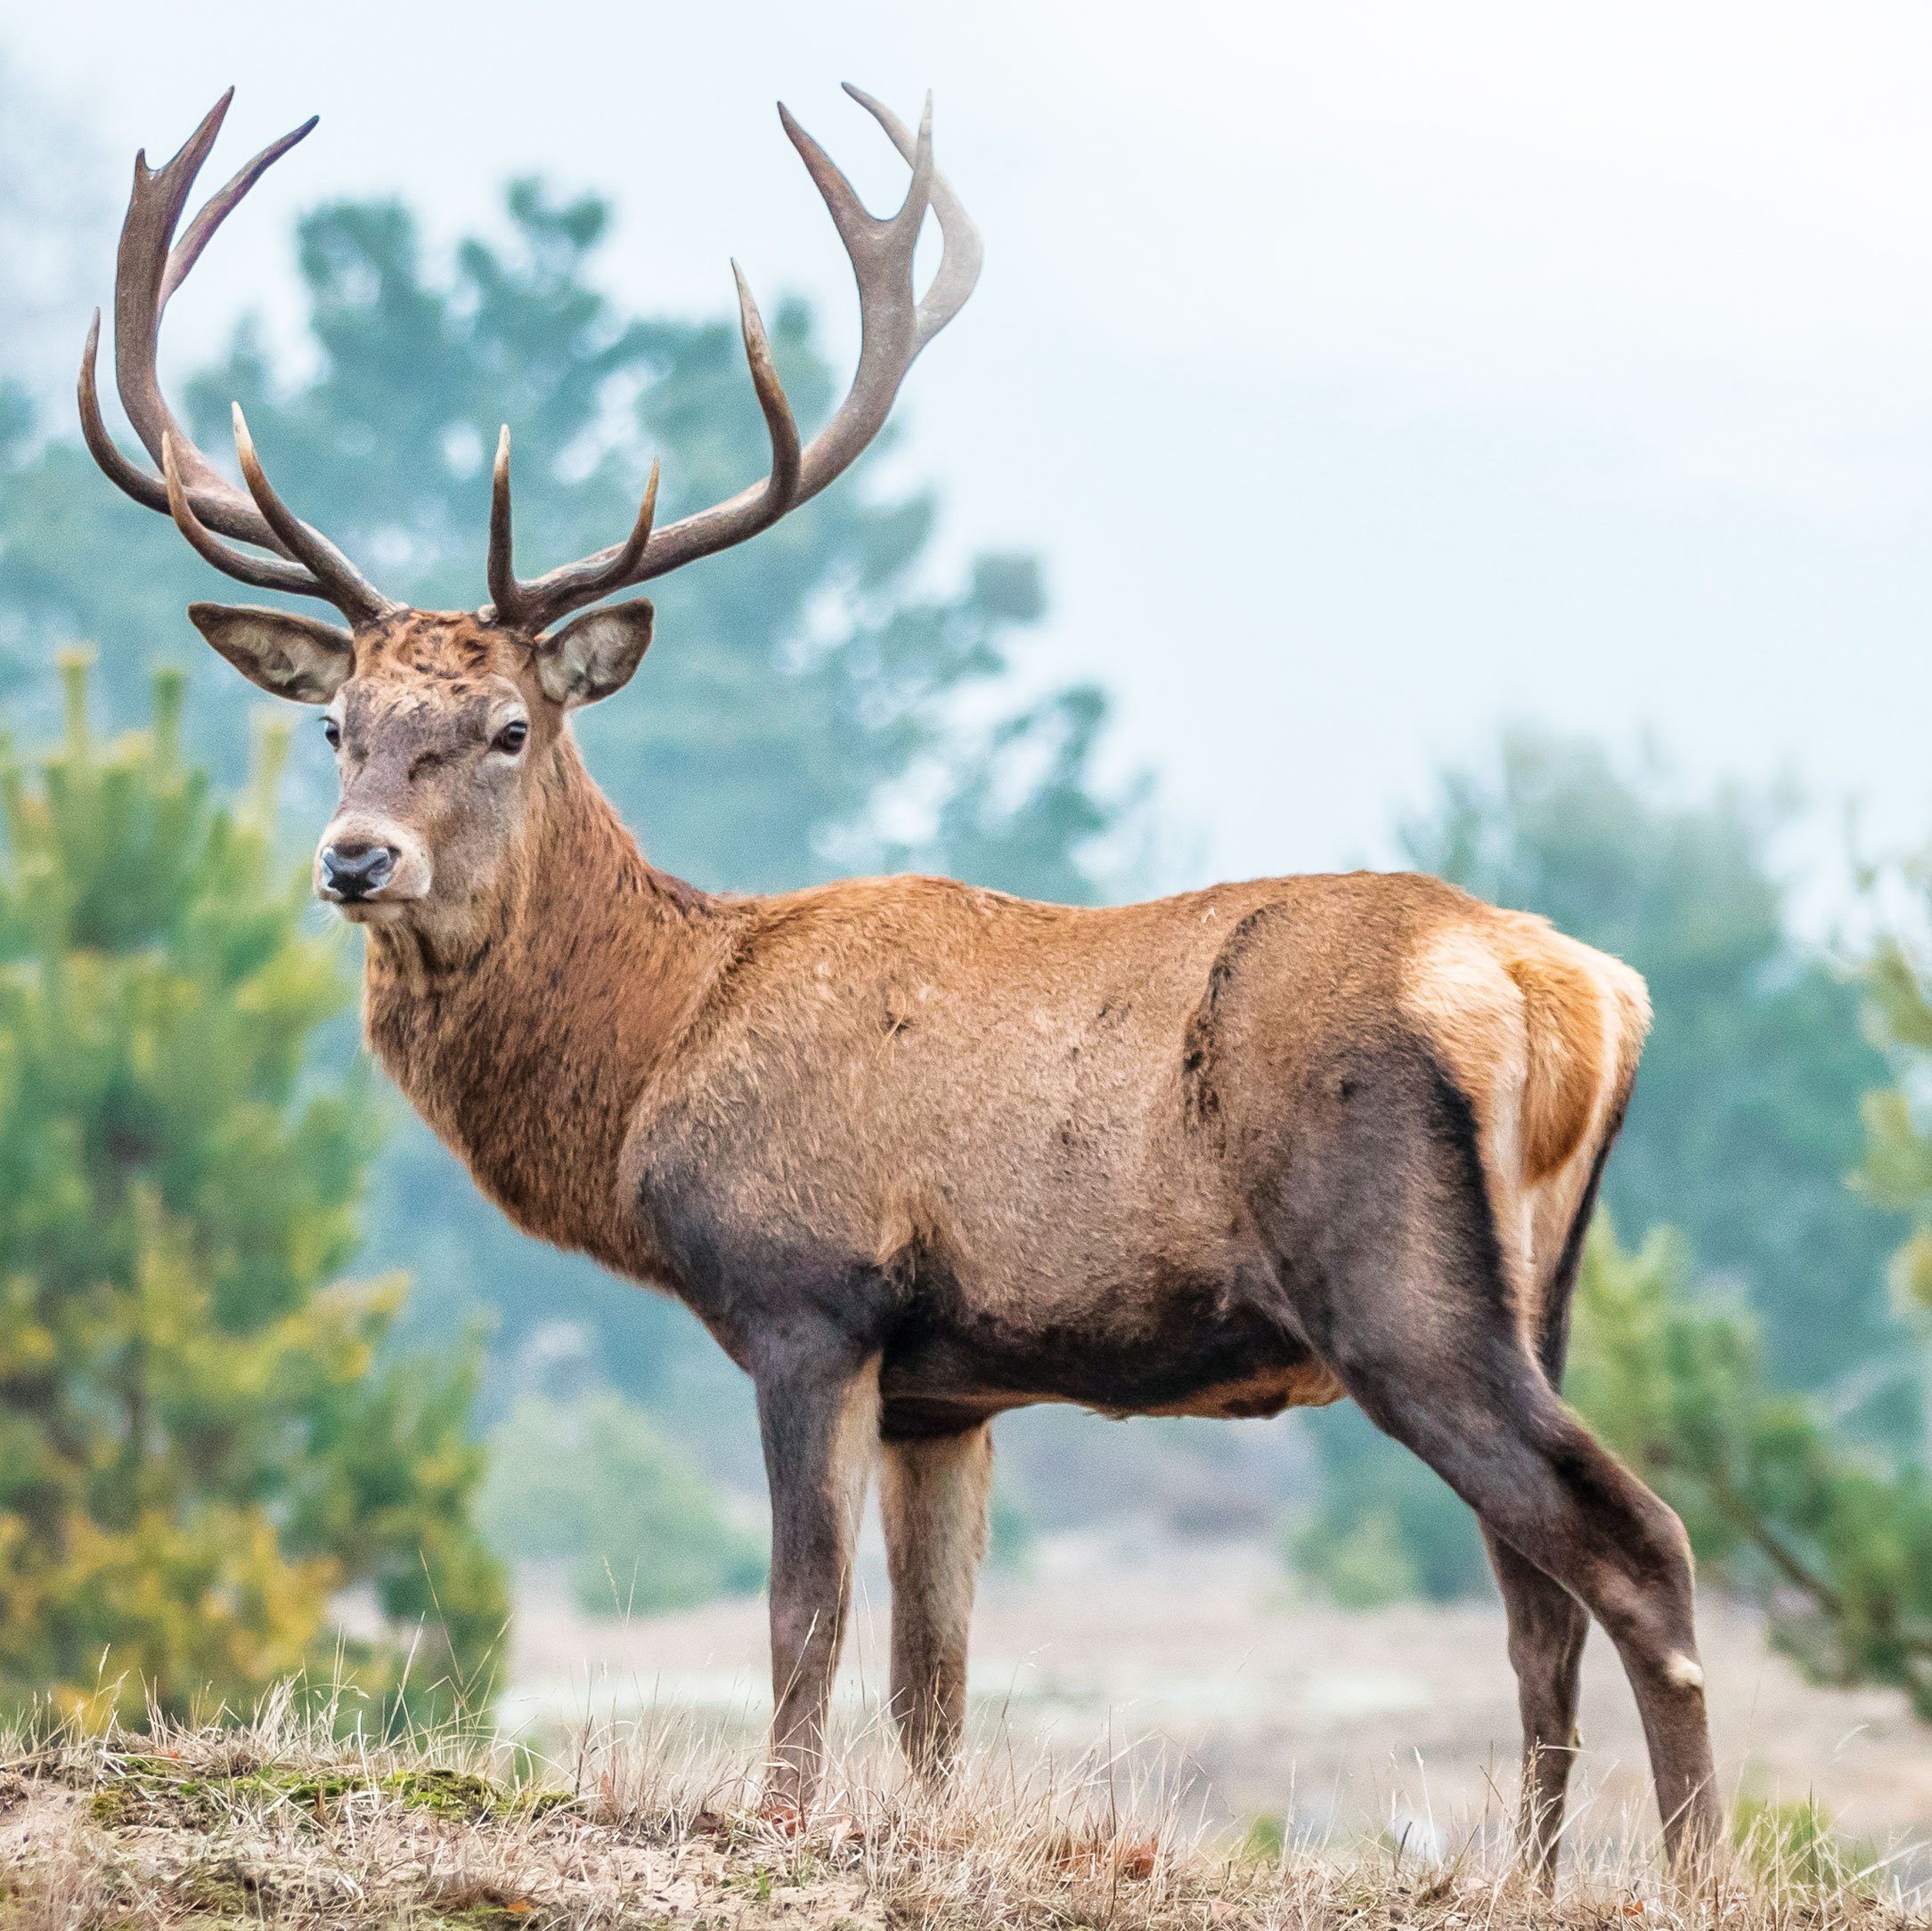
(1191,1355)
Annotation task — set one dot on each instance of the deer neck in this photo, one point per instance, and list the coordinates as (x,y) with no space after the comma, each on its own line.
(526,1045)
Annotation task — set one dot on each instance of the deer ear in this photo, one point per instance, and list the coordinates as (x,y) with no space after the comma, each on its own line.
(287,655)
(595,654)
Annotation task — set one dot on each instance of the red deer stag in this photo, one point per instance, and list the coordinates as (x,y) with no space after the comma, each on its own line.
(917,1153)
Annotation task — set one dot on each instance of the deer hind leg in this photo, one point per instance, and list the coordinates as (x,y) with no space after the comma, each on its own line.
(819,1420)
(934,1492)
(1477,1407)
(1547,1626)
(1544,1486)
(1421,1328)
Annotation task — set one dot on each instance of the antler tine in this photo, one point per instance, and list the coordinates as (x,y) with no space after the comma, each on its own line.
(894,326)
(128,478)
(265,572)
(572,585)
(141,282)
(781,487)
(336,577)
(506,593)
(963,254)
(187,251)
(850,216)
(621,568)
(911,216)
(151,265)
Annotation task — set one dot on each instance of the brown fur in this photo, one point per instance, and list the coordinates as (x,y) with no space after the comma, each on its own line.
(918,1152)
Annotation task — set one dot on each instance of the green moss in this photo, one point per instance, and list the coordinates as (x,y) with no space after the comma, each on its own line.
(226,1888)
(117,1807)
(461,1794)
(449,1793)
(147,1792)
(306,1791)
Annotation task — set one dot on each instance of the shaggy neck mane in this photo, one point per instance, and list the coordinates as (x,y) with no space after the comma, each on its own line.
(527,1044)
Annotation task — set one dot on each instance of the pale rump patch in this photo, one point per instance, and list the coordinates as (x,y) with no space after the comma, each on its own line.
(1457,989)
(1563,1017)
(1543,1035)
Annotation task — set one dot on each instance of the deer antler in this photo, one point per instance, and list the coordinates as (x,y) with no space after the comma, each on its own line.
(894,325)
(152,265)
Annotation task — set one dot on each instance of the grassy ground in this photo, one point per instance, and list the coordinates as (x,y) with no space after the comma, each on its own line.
(283,1821)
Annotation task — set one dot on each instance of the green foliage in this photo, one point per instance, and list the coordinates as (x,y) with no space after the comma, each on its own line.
(1010,1535)
(1897,1171)
(592,1484)
(1834,1539)
(196,1444)
(1795,1845)
(1386,1527)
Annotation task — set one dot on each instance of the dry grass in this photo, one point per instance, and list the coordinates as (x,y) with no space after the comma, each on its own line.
(293,1818)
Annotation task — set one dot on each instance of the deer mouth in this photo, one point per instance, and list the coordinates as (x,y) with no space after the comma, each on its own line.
(371,911)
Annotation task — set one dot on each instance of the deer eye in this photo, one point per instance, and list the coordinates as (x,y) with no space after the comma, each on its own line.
(332,732)
(510,738)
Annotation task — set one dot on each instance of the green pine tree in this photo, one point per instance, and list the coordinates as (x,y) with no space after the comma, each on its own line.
(1898,1170)
(202,1440)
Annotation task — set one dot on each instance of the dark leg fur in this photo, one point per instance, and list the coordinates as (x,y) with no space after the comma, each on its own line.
(1547,1625)
(1420,1330)
(932,1496)
(1542,1484)
(820,1424)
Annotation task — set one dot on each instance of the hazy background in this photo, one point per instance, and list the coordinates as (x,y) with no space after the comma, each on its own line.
(1364,374)
(1493,439)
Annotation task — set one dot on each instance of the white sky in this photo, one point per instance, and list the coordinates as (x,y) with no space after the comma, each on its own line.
(1369,375)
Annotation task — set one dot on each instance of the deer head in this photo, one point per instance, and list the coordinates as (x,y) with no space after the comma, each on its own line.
(446,725)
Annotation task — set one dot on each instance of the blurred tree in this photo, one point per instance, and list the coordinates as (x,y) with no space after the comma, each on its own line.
(53,230)
(1745,1122)
(1384,1526)
(1898,1171)
(813,704)
(197,1448)
(589,1483)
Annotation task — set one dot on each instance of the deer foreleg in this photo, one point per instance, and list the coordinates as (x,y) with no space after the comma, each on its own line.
(820,1424)
(932,1495)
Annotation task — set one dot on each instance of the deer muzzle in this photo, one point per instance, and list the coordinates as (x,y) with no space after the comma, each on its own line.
(369,865)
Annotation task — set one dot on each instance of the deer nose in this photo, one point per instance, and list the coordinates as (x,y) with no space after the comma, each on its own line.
(356,871)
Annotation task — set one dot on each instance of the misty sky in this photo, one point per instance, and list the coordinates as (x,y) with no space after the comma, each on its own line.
(1368,375)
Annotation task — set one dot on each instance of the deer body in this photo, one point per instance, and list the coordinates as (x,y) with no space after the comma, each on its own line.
(1022,1152)
(918,1154)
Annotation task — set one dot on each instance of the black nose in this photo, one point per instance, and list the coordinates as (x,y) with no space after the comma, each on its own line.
(355,871)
